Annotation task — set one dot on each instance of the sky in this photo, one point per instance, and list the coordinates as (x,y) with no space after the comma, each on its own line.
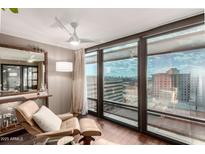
(192,61)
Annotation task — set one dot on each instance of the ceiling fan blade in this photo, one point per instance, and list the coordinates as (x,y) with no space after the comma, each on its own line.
(83,40)
(61,25)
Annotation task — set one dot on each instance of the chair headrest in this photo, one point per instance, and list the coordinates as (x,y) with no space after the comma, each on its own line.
(27,109)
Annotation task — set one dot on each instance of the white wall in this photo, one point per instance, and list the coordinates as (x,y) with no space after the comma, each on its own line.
(60,84)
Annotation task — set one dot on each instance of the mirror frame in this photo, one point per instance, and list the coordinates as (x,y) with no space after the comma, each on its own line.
(30,49)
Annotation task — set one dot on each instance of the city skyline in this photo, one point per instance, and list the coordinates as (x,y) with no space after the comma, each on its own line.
(186,62)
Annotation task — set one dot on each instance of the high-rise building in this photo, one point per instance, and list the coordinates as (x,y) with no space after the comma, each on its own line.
(198,92)
(113,90)
(172,80)
(92,86)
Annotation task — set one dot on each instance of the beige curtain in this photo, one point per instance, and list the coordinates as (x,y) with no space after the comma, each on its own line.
(79,103)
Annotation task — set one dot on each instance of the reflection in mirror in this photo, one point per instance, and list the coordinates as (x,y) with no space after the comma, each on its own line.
(21,71)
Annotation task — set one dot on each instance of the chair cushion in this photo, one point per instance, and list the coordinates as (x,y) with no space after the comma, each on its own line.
(65,116)
(71,123)
(27,109)
(47,120)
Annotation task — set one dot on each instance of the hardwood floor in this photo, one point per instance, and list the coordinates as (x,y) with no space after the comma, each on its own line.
(116,134)
(111,134)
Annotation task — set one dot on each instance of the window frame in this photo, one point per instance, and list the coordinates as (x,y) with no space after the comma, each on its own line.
(142,68)
(191,119)
(104,101)
(94,99)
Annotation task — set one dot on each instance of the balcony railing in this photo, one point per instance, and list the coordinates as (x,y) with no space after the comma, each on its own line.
(130,112)
(150,111)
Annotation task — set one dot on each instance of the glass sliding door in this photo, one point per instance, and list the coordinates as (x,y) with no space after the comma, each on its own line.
(176,85)
(120,100)
(91,78)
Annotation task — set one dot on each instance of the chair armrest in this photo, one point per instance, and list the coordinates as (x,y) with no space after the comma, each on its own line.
(65,132)
(65,116)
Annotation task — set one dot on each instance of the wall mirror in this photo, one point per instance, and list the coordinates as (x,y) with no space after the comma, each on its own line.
(22,71)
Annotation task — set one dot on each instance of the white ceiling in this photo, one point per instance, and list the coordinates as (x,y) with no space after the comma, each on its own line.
(97,24)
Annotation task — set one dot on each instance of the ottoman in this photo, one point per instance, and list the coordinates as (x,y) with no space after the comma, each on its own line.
(88,129)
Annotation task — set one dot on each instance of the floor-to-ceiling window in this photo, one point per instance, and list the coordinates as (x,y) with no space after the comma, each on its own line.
(120,99)
(176,85)
(171,86)
(91,76)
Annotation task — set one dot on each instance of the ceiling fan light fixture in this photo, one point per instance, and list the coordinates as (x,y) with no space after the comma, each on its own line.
(74,40)
(75,43)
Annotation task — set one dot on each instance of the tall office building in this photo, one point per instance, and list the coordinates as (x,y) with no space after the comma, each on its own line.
(113,90)
(198,91)
(172,80)
(92,86)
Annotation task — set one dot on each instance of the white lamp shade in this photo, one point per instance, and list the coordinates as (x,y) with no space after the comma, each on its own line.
(64,66)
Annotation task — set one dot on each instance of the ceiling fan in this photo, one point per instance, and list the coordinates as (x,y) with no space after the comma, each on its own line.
(74,39)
